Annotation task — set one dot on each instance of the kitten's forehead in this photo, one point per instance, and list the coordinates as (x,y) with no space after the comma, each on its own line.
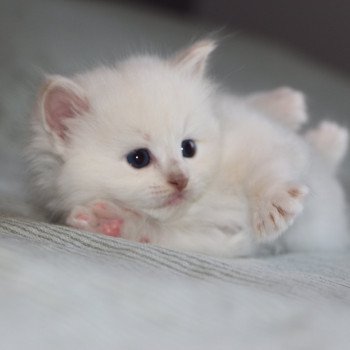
(153,93)
(147,102)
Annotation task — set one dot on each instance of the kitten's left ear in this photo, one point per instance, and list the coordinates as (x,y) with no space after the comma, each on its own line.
(194,58)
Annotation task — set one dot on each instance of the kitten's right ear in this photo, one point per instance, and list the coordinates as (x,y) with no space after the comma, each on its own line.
(61,99)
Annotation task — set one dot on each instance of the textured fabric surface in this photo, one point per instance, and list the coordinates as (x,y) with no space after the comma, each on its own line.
(62,288)
(309,275)
(66,289)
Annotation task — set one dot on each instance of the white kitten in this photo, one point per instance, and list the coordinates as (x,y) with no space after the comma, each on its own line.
(151,151)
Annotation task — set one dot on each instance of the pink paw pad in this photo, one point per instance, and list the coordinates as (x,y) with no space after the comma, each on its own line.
(100,206)
(111,228)
(82,217)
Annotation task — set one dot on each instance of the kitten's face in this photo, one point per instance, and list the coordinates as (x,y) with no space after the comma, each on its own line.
(151,145)
(148,141)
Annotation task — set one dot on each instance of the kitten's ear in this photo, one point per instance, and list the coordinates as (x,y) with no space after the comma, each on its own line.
(59,100)
(194,58)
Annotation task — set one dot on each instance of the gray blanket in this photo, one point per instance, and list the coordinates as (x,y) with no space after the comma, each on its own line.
(65,289)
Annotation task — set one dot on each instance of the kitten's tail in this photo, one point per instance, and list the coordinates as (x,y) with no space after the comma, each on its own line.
(331,140)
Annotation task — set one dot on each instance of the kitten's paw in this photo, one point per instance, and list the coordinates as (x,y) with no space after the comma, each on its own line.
(82,218)
(284,104)
(108,219)
(274,212)
(110,227)
(144,239)
(98,216)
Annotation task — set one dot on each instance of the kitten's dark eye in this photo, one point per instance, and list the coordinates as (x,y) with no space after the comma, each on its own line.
(188,148)
(139,158)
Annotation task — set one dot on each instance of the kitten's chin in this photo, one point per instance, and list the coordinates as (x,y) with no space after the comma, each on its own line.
(171,210)
(169,214)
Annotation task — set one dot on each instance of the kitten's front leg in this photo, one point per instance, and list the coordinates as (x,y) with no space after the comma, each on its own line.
(275,207)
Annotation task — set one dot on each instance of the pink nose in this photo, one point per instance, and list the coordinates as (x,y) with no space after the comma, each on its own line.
(179,181)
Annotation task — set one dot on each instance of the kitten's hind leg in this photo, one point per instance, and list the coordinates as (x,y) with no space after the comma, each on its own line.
(284,104)
(330,140)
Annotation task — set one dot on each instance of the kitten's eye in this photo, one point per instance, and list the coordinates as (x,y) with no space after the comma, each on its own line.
(139,158)
(188,148)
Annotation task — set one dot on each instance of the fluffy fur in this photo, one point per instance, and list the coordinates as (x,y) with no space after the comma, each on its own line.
(252,178)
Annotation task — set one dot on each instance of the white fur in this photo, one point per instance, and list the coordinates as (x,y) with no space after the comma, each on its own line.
(248,181)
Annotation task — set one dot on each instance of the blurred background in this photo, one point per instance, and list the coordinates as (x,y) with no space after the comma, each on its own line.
(319,28)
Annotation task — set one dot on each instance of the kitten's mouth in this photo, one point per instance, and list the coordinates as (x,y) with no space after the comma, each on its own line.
(175,199)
